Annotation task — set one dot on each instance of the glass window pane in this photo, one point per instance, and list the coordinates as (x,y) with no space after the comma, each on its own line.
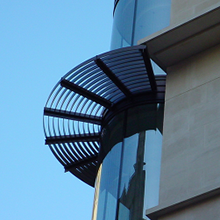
(123,24)
(130,173)
(136,19)
(107,202)
(153,147)
(111,205)
(101,205)
(129,160)
(133,176)
(123,212)
(151,16)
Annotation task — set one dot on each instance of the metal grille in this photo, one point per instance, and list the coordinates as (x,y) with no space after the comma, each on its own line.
(74,112)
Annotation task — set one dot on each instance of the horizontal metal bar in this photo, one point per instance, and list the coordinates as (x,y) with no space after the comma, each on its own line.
(72,138)
(113,77)
(72,115)
(85,93)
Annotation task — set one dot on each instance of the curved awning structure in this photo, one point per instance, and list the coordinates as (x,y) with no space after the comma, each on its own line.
(82,100)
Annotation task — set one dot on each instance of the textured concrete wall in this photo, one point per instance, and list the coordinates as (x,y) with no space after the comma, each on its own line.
(184,10)
(191,141)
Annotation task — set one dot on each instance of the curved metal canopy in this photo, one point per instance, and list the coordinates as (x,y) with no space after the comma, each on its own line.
(77,106)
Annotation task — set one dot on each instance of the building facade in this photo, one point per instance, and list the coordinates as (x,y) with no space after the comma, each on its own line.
(151,152)
(190,180)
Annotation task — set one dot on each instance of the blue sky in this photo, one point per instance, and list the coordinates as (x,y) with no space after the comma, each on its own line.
(40,41)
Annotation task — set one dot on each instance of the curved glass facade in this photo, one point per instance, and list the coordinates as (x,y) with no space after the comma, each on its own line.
(128,179)
(136,19)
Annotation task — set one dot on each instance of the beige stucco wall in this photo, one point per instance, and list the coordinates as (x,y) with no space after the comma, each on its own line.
(184,10)
(191,141)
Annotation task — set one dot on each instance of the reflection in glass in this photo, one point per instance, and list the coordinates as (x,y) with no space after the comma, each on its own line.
(108,190)
(124,212)
(129,159)
(152,158)
(122,30)
(130,172)
(140,174)
(136,19)
(151,16)
(133,176)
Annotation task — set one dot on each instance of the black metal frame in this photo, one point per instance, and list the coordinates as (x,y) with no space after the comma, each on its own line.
(115,4)
(88,96)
